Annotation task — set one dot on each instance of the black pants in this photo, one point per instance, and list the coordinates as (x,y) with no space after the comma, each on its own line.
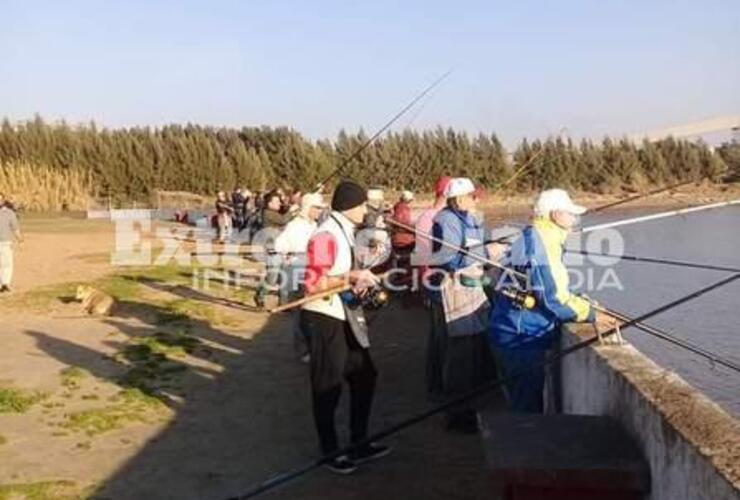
(336,356)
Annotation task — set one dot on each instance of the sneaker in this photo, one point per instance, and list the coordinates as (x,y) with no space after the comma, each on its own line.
(369,453)
(341,465)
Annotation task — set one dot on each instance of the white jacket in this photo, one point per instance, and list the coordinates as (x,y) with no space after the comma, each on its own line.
(295,236)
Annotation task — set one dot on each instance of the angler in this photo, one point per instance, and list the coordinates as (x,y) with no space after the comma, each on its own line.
(528,313)
(458,358)
(339,346)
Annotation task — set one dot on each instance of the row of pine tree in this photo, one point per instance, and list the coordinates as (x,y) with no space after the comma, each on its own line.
(129,163)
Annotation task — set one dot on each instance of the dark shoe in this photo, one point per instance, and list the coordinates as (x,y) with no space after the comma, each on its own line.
(369,453)
(341,465)
(4,288)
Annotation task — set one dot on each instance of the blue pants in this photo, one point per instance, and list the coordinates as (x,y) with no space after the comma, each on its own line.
(525,391)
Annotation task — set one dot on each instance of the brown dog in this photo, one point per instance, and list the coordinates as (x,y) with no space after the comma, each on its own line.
(95,302)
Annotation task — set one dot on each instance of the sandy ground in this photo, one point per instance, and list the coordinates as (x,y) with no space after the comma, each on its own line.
(238,414)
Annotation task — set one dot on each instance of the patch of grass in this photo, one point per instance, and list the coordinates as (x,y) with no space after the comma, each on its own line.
(72,376)
(137,398)
(154,357)
(17,400)
(181,310)
(170,273)
(47,490)
(130,405)
(177,344)
(119,287)
(3,440)
(42,298)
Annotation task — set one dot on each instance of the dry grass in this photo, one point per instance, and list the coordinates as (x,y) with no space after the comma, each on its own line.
(39,188)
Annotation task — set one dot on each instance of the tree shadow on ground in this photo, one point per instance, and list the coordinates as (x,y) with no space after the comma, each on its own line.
(244,415)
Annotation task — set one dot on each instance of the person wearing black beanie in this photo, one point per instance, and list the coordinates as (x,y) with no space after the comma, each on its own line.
(348,195)
(337,331)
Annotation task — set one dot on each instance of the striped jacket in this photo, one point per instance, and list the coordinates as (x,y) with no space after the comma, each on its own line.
(538,253)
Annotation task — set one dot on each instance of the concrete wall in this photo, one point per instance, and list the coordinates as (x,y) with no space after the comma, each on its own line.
(692,445)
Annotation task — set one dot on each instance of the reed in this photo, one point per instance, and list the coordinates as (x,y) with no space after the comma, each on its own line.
(39,188)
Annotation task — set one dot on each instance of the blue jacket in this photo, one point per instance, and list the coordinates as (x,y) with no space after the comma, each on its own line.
(539,254)
(457,228)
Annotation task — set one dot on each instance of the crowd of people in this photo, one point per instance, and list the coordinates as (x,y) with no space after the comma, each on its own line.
(479,329)
(244,210)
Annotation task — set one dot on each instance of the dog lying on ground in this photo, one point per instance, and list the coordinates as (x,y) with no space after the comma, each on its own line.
(95,302)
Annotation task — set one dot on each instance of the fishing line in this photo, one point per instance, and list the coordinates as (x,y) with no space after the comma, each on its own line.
(678,263)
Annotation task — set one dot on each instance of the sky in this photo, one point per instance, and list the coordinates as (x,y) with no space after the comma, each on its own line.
(520,68)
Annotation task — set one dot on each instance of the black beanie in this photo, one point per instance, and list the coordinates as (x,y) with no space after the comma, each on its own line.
(348,195)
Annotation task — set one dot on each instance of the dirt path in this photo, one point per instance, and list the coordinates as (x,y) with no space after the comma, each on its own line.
(61,250)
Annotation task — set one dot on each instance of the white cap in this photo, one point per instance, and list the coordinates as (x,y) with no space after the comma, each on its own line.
(556,199)
(407,195)
(375,194)
(309,200)
(459,186)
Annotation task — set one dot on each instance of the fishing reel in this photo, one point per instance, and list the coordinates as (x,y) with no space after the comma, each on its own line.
(374,298)
(520,298)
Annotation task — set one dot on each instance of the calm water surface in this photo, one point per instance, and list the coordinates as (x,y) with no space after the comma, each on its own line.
(711,321)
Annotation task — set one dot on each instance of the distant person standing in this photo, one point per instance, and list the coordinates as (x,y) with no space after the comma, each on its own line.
(422,255)
(237,202)
(10,233)
(402,238)
(274,219)
(224,212)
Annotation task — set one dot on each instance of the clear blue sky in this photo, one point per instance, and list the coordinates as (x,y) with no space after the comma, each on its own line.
(521,68)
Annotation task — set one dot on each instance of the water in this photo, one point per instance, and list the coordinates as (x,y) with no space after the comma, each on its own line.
(711,321)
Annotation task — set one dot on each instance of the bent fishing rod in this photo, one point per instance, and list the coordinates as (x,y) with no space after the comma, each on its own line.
(385,127)
(286,477)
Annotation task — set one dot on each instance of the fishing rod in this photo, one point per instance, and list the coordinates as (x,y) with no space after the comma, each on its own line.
(679,263)
(632,220)
(385,127)
(689,346)
(660,215)
(485,388)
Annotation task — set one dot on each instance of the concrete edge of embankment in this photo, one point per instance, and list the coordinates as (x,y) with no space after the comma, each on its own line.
(691,443)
